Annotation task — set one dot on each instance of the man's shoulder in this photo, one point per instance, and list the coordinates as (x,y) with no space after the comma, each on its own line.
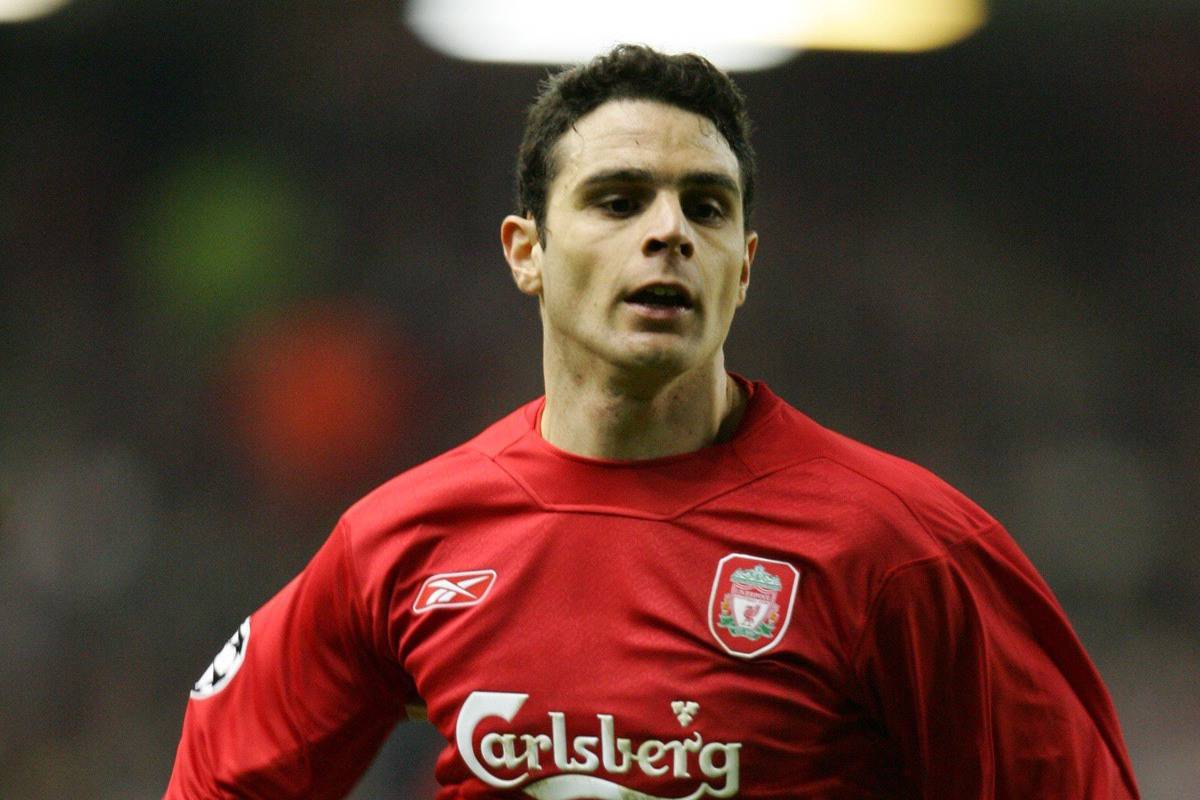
(935,505)
(901,493)
(455,480)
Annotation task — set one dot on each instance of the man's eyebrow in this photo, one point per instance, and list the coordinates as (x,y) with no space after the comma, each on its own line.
(710,180)
(623,175)
(689,180)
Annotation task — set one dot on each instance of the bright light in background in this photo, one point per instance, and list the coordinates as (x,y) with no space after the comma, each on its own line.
(890,25)
(23,10)
(746,35)
(560,32)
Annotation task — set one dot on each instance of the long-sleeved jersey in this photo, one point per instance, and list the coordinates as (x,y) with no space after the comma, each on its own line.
(788,614)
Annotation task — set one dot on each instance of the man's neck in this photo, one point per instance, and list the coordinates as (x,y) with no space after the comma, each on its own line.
(621,417)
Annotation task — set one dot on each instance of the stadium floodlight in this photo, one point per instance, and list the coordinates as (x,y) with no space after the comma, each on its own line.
(750,34)
(906,26)
(25,10)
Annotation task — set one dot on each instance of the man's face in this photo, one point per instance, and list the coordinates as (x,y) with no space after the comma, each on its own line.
(644,257)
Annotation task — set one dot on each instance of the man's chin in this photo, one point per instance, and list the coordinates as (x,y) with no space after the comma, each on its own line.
(650,355)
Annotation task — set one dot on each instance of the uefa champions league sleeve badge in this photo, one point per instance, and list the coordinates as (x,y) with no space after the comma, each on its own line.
(220,672)
(750,607)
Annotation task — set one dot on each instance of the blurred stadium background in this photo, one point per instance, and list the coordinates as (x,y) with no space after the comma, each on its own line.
(250,268)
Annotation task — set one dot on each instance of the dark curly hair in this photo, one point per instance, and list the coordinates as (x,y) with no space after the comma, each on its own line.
(628,72)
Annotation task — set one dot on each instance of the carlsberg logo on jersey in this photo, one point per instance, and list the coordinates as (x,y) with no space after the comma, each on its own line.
(714,765)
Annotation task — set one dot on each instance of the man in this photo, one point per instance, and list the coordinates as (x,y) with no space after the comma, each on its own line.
(660,580)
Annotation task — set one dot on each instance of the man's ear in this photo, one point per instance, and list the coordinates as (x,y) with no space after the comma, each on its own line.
(523,252)
(751,248)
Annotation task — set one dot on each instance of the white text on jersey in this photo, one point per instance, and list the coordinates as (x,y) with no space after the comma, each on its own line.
(715,761)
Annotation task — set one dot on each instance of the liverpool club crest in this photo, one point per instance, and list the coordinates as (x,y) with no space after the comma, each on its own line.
(751,603)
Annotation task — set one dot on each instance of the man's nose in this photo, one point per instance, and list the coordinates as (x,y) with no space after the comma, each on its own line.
(668,228)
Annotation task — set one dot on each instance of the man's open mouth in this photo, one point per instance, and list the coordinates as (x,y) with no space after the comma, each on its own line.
(661,296)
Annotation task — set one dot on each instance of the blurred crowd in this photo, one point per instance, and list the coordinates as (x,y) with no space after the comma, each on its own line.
(250,268)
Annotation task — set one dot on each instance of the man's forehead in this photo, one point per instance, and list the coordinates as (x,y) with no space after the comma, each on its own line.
(642,134)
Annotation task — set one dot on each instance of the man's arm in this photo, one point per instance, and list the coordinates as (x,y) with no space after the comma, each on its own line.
(970,666)
(309,702)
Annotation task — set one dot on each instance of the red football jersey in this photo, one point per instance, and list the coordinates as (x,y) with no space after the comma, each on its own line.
(789,614)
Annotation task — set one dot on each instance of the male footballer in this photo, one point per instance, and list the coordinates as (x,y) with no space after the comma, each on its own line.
(659,580)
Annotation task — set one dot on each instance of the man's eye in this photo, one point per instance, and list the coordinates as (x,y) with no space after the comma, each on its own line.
(619,206)
(707,211)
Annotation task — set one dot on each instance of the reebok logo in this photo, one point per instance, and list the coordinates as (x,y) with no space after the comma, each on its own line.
(454,589)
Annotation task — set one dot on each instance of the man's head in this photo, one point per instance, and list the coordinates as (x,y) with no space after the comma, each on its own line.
(628,72)
(634,239)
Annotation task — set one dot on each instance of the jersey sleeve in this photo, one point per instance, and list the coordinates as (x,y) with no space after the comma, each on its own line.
(300,699)
(972,670)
